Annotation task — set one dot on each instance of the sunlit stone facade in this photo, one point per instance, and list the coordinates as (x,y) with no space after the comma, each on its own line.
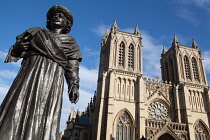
(129,106)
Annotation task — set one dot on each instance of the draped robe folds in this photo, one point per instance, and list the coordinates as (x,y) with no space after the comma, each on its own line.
(32,107)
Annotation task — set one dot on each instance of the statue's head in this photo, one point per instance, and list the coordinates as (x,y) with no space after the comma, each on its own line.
(58,9)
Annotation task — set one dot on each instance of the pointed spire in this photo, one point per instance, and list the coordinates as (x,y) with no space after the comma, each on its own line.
(104,38)
(163,51)
(107,32)
(175,38)
(114,26)
(194,44)
(137,32)
(175,41)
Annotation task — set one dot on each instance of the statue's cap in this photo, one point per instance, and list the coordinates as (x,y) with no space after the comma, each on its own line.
(62,9)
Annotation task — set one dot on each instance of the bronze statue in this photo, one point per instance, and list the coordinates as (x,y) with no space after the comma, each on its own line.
(32,107)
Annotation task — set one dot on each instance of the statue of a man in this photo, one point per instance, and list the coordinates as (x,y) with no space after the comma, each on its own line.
(31,109)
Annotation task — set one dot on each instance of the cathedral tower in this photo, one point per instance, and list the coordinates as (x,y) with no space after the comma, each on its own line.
(129,106)
(183,67)
(119,69)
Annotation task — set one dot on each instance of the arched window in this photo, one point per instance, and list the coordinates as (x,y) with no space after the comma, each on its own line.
(130,56)
(124,127)
(187,67)
(201,132)
(195,69)
(121,54)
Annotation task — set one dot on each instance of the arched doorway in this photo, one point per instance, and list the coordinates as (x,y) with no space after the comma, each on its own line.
(166,136)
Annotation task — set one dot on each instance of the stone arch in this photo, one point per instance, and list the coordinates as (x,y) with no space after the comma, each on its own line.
(123,125)
(201,130)
(122,39)
(131,41)
(168,136)
(167,131)
(185,53)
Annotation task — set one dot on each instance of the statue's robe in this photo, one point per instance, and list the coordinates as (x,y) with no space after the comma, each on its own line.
(31,109)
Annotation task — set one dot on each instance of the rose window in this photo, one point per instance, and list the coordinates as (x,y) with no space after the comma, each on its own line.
(158,111)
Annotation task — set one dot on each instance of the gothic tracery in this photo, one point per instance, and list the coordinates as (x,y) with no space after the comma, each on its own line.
(201,132)
(158,111)
(123,127)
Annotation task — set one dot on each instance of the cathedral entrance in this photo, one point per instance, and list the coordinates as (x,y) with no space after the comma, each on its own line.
(166,136)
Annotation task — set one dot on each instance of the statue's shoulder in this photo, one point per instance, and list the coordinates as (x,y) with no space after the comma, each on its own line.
(67,38)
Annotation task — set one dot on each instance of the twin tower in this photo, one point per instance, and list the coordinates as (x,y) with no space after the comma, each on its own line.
(129,106)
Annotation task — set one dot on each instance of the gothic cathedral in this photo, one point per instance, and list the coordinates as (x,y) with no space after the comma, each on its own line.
(129,106)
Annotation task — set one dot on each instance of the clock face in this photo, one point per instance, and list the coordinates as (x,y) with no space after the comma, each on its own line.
(158,111)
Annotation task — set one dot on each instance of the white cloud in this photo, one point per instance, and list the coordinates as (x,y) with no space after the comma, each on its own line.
(151,56)
(187,15)
(88,78)
(3,54)
(100,30)
(7,74)
(200,3)
(89,52)
(3,90)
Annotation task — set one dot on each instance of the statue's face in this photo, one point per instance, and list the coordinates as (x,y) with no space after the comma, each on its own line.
(58,21)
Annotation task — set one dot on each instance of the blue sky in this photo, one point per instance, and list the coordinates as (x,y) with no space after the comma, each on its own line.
(157,20)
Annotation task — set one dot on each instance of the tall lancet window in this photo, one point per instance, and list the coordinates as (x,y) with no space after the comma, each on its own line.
(195,69)
(121,54)
(130,56)
(187,67)
(124,127)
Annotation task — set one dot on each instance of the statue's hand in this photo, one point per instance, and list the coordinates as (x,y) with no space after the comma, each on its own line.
(21,45)
(74,94)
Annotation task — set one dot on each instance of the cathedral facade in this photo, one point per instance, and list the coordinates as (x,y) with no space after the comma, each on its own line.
(129,106)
